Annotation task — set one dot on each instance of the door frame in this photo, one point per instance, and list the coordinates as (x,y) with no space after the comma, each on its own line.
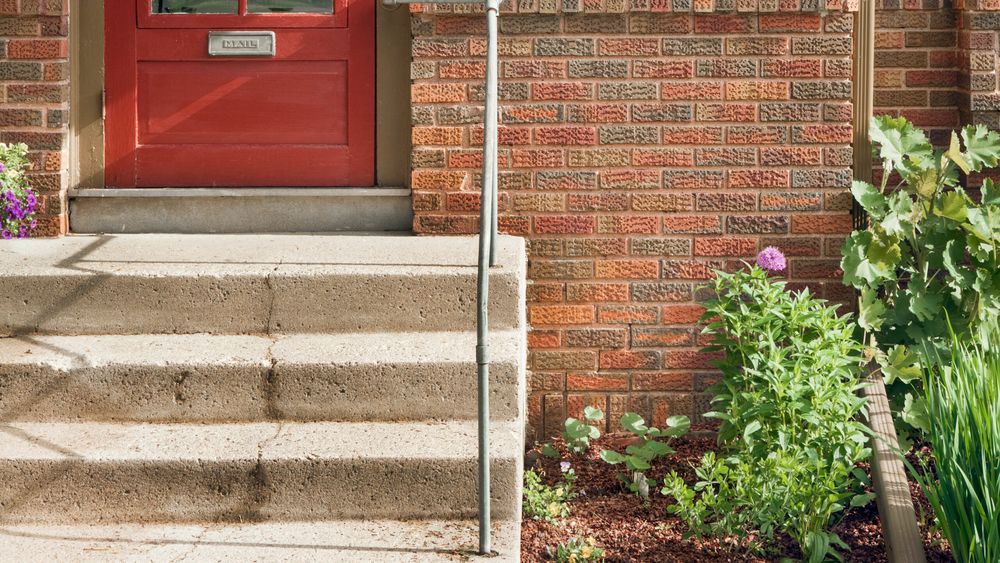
(392,97)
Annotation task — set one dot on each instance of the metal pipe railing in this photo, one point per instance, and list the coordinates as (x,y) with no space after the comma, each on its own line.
(487,253)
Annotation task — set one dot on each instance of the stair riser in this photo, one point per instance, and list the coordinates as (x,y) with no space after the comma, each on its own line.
(254,392)
(76,491)
(251,304)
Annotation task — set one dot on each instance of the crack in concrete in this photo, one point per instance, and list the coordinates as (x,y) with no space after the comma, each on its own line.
(269,282)
(194,545)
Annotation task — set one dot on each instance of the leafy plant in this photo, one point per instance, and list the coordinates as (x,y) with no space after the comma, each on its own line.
(17,201)
(577,550)
(789,406)
(963,407)
(929,251)
(639,456)
(578,434)
(543,502)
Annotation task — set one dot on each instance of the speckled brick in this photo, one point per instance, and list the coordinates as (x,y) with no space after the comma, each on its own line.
(650,246)
(664,292)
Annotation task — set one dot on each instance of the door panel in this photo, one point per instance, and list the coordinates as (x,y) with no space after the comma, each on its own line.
(177,116)
(242,103)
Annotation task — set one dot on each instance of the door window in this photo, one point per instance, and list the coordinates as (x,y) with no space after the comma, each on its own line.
(195,6)
(290,6)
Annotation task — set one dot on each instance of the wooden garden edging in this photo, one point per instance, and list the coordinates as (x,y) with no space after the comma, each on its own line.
(903,543)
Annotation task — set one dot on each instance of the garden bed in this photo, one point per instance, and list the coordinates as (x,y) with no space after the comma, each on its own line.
(631,530)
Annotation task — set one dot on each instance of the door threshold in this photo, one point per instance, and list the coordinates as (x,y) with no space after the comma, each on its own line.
(241,192)
(240,210)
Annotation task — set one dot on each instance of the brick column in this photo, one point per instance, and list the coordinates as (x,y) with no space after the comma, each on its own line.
(642,145)
(34,90)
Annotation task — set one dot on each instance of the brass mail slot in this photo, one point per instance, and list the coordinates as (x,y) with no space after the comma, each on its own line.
(241,43)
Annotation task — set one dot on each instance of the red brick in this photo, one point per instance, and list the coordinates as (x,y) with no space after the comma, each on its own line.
(699,224)
(38,49)
(682,314)
(544,339)
(560,314)
(627,269)
(437,93)
(629,359)
(822,224)
(725,246)
(564,224)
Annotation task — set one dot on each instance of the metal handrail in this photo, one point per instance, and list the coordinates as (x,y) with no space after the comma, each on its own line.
(487,252)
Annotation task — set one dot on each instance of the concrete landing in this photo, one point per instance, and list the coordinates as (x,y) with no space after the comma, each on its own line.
(353,541)
(252,284)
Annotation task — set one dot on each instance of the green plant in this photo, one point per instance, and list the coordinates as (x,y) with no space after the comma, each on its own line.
(789,406)
(963,406)
(543,502)
(18,202)
(639,456)
(929,250)
(578,434)
(576,550)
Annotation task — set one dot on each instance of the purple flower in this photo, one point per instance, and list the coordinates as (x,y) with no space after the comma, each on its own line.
(564,466)
(771,259)
(2,167)
(5,234)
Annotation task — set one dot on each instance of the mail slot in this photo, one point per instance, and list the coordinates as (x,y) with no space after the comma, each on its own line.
(241,43)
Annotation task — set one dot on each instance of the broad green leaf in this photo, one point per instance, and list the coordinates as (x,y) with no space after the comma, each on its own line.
(954,153)
(634,423)
(871,310)
(952,205)
(677,425)
(954,255)
(549,451)
(924,183)
(862,499)
(982,146)
(870,199)
(978,224)
(991,193)
(925,305)
(897,221)
(915,413)
(900,364)
(612,457)
(593,413)
(906,149)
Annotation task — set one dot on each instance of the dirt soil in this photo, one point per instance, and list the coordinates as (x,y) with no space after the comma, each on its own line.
(630,530)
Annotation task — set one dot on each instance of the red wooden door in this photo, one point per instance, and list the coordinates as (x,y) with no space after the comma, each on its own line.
(287,98)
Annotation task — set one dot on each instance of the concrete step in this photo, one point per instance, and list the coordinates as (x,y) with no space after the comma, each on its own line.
(209,378)
(252,284)
(357,542)
(120,473)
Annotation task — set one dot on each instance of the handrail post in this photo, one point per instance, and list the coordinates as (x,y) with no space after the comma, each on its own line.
(487,258)
(487,253)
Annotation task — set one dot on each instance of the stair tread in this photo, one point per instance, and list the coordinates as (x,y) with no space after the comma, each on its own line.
(144,442)
(69,352)
(350,540)
(178,255)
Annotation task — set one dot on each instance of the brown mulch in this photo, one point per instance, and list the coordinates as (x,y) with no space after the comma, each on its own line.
(630,530)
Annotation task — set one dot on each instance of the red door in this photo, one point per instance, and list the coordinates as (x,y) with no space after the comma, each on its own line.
(239,93)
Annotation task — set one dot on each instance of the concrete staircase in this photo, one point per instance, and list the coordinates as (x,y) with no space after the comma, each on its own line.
(253,397)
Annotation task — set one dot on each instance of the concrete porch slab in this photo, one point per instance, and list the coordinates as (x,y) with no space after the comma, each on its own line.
(362,542)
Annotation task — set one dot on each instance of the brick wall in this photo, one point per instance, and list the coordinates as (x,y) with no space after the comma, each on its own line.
(917,65)
(34,90)
(639,151)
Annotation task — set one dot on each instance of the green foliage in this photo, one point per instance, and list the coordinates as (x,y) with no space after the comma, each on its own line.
(578,434)
(18,203)
(929,252)
(963,414)
(639,456)
(543,502)
(576,550)
(788,404)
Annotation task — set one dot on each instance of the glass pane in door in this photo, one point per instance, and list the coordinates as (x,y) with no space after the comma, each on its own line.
(195,6)
(290,6)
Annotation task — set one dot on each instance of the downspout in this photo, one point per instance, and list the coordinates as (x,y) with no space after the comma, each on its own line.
(487,255)
(895,504)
